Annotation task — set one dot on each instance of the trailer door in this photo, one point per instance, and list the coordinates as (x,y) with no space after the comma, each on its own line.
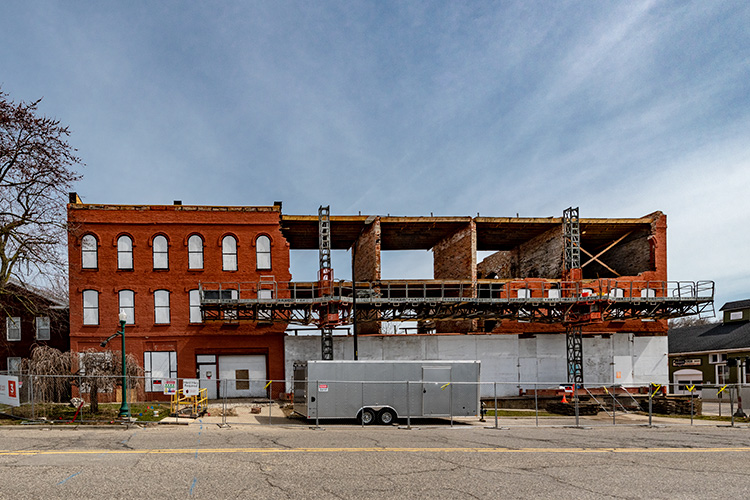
(436,395)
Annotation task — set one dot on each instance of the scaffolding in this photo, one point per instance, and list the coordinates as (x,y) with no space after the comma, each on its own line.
(545,301)
(571,301)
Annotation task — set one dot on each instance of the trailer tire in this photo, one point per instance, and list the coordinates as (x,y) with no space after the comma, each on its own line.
(386,416)
(367,416)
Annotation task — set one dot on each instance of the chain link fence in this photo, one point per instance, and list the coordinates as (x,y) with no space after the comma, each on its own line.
(72,399)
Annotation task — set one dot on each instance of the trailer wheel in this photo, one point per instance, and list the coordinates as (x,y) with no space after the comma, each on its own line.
(386,416)
(367,416)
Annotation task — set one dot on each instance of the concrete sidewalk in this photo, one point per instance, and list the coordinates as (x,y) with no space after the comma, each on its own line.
(241,412)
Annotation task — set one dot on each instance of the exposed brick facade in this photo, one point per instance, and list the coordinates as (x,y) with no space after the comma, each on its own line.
(455,258)
(367,265)
(177,223)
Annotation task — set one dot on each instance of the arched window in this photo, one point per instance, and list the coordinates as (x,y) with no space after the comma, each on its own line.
(263,252)
(124,252)
(127,304)
(161,307)
(90,307)
(161,252)
(195,252)
(89,252)
(229,253)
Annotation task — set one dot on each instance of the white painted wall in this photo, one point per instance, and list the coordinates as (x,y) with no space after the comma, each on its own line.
(510,361)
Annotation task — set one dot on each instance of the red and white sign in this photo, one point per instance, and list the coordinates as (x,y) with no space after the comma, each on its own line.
(191,387)
(9,391)
(322,387)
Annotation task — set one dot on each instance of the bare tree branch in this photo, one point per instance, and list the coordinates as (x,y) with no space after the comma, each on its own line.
(37,169)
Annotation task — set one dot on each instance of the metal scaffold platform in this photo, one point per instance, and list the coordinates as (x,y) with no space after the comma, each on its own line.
(538,301)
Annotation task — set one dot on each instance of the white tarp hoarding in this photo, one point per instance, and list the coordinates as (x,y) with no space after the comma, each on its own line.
(9,391)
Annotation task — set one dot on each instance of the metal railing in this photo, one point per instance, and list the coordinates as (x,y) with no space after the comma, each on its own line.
(440,290)
(399,300)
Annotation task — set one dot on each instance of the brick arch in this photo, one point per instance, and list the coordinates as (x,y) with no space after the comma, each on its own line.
(160,233)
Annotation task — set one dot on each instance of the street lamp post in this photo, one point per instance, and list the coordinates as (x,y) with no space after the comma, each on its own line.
(124,408)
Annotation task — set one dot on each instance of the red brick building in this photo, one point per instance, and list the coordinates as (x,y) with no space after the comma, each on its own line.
(149,262)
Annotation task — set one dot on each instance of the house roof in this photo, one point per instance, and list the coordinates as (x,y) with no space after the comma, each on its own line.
(45,295)
(737,304)
(711,337)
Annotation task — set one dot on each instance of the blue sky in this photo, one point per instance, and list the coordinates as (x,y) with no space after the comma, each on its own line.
(409,108)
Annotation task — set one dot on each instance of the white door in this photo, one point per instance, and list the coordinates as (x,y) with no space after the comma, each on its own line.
(527,372)
(244,376)
(623,370)
(436,391)
(208,376)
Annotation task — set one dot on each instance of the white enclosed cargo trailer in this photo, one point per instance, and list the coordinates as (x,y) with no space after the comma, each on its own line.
(382,391)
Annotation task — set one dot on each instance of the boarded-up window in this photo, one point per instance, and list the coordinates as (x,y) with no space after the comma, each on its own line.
(242,380)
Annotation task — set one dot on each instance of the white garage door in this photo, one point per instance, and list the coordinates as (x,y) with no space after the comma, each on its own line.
(244,376)
(685,378)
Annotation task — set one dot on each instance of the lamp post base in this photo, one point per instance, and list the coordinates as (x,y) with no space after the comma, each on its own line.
(124,411)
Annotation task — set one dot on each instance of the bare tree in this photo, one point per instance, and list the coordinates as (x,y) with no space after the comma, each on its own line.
(691,321)
(98,371)
(37,169)
(50,369)
(101,371)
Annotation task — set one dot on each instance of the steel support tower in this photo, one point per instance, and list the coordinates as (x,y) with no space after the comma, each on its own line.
(326,280)
(574,342)
(572,271)
(572,237)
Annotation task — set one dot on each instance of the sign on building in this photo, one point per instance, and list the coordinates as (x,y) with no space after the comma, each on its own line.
(170,386)
(686,362)
(9,391)
(191,387)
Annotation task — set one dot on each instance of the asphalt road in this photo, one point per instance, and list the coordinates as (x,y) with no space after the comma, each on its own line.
(203,460)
